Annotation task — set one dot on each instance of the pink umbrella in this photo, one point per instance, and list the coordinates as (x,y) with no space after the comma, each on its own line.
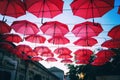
(4,27)
(66,61)
(47,54)
(58,40)
(87,29)
(25,27)
(62,50)
(12,38)
(31,53)
(54,28)
(86,42)
(36,58)
(64,56)
(51,59)
(35,38)
(41,49)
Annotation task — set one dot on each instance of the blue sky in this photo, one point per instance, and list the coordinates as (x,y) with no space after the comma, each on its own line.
(108,21)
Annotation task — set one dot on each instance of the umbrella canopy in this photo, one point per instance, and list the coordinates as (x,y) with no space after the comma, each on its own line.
(36,59)
(35,38)
(4,27)
(64,56)
(91,8)
(115,32)
(58,40)
(44,8)
(66,61)
(13,8)
(42,49)
(47,54)
(86,42)
(25,27)
(112,43)
(54,28)
(105,54)
(82,62)
(62,50)
(51,59)
(23,49)
(31,53)
(87,29)
(12,38)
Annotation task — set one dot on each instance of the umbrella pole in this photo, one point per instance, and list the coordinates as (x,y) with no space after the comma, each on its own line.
(42,12)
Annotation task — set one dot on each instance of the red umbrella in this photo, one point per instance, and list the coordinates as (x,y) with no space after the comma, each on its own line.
(99,61)
(91,8)
(65,56)
(86,42)
(22,48)
(44,8)
(87,29)
(47,54)
(112,43)
(41,49)
(54,28)
(115,32)
(36,58)
(82,62)
(105,54)
(4,27)
(62,50)
(25,27)
(58,40)
(119,10)
(35,38)
(51,59)
(13,8)
(31,53)
(66,61)
(12,38)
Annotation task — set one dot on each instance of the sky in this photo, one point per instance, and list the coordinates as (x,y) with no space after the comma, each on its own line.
(108,21)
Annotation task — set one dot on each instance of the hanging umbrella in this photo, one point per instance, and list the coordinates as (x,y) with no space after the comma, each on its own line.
(25,27)
(35,38)
(47,54)
(54,28)
(112,43)
(41,49)
(51,59)
(36,58)
(114,33)
(4,27)
(105,54)
(31,53)
(13,8)
(119,10)
(64,56)
(91,8)
(66,61)
(22,48)
(58,40)
(44,8)
(87,29)
(86,42)
(12,38)
(62,50)
(82,62)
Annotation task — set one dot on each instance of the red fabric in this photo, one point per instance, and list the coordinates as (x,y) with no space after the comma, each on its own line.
(112,43)
(31,53)
(41,49)
(51,59)
(47,54)
(66,61)
(86,42)
(35,38)
(4,28)
(82,62)
(25,27)
(44,8)
(58,40)
(36,59)
(64,56)
(114,33)
(54,28)
(62,50)
(13,8)
(87,9)
(87,29)
(12,38)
